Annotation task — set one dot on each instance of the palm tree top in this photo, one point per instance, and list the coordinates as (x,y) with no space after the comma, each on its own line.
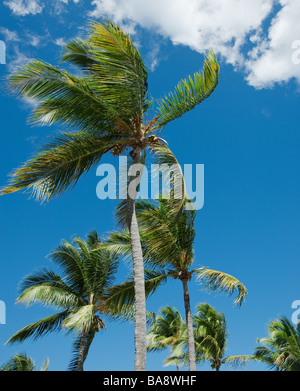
(281,349)
(20,362)
(103,110)
(168,249)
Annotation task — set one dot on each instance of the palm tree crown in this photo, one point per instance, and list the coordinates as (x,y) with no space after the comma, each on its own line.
(80,295)
(281,349)
(22,363)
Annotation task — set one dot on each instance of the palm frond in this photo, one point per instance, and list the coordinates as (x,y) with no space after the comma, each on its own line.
(80,319)
(120,296)
(58,166)
(189,92)
(40,328)
(19,363)
(238,360)
(78,52)
(220,282)
(119,74)
(168,166)
(48,288)
(61,97)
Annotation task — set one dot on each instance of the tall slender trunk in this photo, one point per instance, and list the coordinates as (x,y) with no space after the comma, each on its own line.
(140,331)
(189,322)
(81,351)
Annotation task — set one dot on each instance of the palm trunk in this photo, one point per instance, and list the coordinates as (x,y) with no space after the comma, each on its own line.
(140,331)
(81,351)
(189,322)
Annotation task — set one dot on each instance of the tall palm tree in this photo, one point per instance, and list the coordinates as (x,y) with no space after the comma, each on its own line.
(281,350)
(105,110)
(167,243)
(79,294)
(167,330)
(21,362)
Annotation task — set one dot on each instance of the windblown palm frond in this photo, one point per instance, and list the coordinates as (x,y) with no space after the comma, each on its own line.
(59,165)
(47,287)
(190,92)
(220,282)
(40,328)
(239,360)
(122,295)
(167,165)
(117,56)
(79,52)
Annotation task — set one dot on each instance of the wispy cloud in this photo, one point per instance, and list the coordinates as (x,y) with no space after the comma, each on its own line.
(9,35)
(24,7)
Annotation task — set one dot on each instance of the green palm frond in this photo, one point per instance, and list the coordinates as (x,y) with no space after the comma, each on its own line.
(170,169)
(80,319)
(68,258)
(40,328)
(61,96)
(220,282)
(189,92)
(239,360)
(78,52)
(58,166)
(179,360)
(119,74)
(121,296)
(47,287)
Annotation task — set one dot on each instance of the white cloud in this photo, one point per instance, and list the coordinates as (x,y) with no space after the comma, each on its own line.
(235,29)
(200,24)
(59,42)
(272,60)
(24,7)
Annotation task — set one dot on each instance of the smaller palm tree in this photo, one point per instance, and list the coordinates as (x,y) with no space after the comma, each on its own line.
(281,350)
(168,250)
(211,337)
(21,362)
(80,295)
(167,330)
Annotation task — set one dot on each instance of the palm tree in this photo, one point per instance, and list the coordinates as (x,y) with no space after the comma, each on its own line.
(281,350)
(80,295)
(105,109)
(210,333)
(167,329)
(167,242)
(211,337)
(21,362)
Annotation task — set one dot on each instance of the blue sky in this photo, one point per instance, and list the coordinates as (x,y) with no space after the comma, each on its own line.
(246,135)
